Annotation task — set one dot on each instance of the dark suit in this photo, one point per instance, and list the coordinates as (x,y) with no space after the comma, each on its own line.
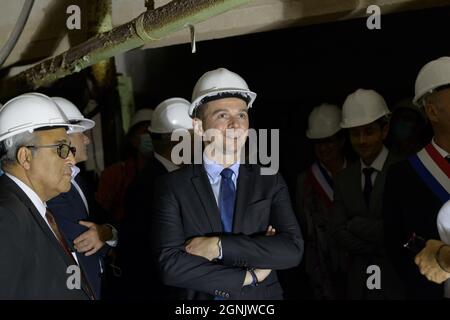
(32,262)
(410,206)
(358,230)
(68,208)
(134,255)
(185,207)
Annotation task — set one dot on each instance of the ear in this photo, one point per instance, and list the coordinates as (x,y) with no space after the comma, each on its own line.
(24,157)
(198,127)
(385,131)
(431,111)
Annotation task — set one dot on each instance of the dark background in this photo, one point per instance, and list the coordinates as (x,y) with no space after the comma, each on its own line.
(293,70)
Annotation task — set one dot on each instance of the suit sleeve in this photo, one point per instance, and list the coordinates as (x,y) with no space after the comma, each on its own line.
(367,229)
(300,204)
(394,233)
(281,251)
(12,237)
(178,268)
(339,228)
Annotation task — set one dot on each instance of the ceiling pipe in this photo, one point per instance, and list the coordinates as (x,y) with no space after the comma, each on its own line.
(151,25)
(17,31)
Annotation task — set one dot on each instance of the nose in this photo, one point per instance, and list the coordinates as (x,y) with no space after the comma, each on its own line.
(70,159)
(233,123)
(362,138)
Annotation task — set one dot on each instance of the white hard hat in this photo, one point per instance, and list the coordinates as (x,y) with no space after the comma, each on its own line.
(324,121)
(74,115)
(141,115)
(218,81)
(171,114)
(28,112)
(432,76)
(363,107)
(443,222)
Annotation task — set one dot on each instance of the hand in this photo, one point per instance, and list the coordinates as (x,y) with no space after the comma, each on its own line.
(261,275)
(90,241)
(270,231)
(426,261)
(206,247)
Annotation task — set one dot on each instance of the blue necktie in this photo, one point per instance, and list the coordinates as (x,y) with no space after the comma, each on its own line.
(227,199)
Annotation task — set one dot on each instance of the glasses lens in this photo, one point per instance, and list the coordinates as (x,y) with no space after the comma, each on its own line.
(63,151)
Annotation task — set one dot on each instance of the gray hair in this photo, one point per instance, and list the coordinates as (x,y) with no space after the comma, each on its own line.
(13,144)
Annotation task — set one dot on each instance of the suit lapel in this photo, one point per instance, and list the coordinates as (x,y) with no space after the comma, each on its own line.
(378,188)
(22,197)
(242,196)
(356,188)
(206,196)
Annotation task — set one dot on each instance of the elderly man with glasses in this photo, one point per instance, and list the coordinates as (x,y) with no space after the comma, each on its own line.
(37,157)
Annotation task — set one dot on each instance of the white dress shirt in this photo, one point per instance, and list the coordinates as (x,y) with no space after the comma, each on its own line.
(169,165)
(41,206)
(377,164)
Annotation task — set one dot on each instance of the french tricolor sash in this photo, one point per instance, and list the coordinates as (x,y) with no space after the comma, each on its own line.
(322,182)
(434,170)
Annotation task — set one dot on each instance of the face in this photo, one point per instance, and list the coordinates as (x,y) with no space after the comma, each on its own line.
(225,123)
(80,141)
(367,140)
(141,128)
(438,111)
(48,174)
(329,149)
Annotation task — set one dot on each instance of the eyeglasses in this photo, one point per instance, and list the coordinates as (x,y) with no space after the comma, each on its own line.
(62,149)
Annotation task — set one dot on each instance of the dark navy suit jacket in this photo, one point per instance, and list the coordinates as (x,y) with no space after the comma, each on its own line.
(68,208)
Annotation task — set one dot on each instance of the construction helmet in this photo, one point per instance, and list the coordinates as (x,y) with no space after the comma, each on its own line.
(171,114)
(74,115)
(324,121)
(141,115)
(220,81)
(433,75)
(363,107)
(28,112)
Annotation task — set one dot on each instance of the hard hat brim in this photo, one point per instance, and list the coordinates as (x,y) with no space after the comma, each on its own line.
(83,125)
(32,128)
(313,136)
(359,123)
(197,102)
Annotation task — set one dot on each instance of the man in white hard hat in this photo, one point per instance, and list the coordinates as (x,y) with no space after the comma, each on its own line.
(72,210)
(434,260)
(222,229)
(115,179)
(418,187)
(36,155)
(314,196)
(171,115)
(356,215)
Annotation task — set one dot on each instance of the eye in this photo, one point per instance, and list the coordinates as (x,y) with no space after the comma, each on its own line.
(243,115)
(222,115)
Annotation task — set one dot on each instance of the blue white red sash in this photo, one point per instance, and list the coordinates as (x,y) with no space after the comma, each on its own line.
(434,171)
(322,182)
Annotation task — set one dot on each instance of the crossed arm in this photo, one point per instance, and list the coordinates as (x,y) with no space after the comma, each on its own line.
(192,264)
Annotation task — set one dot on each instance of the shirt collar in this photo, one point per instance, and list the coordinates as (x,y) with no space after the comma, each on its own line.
(441,151)
(38,203)
(214,169)
(169,165)
(379,161)
(75,171)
